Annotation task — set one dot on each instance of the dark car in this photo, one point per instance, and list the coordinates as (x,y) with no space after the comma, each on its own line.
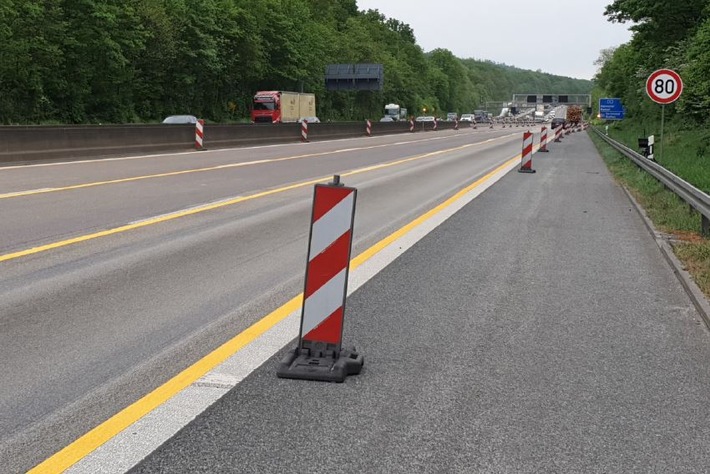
(557,121)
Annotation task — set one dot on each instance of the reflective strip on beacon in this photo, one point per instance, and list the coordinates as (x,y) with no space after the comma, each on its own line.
(329,250)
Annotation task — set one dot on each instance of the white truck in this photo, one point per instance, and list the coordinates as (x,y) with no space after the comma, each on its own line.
(395,112)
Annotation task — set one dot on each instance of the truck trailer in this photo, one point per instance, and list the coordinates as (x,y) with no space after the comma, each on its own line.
(282,106)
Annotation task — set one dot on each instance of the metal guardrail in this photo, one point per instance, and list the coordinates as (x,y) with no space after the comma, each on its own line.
(694,197)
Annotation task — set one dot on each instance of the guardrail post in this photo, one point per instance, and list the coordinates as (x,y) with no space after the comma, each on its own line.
(704,226)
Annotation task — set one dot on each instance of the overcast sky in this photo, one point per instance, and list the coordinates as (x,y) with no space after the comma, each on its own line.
(562,37)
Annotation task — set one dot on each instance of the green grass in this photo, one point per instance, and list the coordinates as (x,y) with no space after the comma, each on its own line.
(686,152)
(668,213)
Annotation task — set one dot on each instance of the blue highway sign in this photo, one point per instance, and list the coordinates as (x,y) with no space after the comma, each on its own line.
(611,109)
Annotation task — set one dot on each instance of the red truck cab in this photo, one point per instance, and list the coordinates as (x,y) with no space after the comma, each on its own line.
(266,107)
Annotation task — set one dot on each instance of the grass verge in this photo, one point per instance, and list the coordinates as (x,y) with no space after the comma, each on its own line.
(668,213)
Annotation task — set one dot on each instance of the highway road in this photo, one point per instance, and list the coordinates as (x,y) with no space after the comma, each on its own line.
(537,330)
(118,274)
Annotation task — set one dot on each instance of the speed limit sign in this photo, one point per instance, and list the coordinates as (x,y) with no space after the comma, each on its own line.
(664,86)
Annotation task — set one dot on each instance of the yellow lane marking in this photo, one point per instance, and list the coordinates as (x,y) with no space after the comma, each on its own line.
(217,205)
(33,192)
(84,445)
(158,175)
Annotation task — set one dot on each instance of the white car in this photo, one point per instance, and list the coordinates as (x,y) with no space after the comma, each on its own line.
(466,118)
(309,119)
(180,119)
(425,118)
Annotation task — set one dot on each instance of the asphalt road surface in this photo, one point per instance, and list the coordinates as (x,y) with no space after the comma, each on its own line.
(539,329)
(118,274)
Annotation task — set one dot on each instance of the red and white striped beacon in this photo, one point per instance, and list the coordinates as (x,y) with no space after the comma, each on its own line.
(368,128)
(543,140)
(199,134)
(320,354)
(304,130)
(558,134)
(526,157)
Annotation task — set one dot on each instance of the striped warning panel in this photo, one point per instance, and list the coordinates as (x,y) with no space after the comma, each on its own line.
(199,133)
(328,261)
(304,130)
(526,157)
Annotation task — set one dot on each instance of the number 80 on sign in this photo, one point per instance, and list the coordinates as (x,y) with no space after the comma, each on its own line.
(664,86)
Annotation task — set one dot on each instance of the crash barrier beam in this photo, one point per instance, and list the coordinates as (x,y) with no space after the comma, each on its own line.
(694,197)
(320,354)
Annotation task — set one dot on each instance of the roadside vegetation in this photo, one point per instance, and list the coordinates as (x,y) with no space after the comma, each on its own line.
(673,35)
(124,61)
(669,214)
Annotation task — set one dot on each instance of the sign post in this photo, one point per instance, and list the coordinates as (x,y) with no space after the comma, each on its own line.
(664,86)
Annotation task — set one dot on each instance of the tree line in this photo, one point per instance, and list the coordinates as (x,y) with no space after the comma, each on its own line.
(128,61)
(666,34)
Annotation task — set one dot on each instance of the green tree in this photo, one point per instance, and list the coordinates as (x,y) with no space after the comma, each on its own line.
(31,59)
(696,75)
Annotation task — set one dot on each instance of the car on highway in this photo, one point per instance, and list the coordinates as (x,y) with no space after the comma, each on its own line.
(180,119)
(387,118)
(309,119)
(466,118)
(425,118)
(557,121)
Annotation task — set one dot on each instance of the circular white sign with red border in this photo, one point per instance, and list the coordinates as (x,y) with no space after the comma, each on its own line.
(664,86)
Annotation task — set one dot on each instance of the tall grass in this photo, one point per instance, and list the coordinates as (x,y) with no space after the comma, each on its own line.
(685,152)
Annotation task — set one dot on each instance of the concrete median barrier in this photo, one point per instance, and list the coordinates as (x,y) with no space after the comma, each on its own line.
(20,144)
(23,144)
